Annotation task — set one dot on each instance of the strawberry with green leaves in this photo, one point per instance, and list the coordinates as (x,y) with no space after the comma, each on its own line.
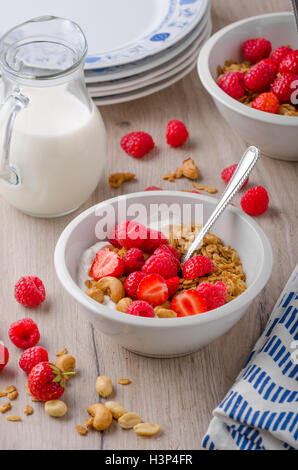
(47,382)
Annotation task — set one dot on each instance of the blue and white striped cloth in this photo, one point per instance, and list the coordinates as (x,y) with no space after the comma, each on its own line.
(260,412)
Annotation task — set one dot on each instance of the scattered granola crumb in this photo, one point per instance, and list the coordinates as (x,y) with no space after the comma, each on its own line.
(81,430)
(89,423)
(9,389)
(28,410)
(5,407)
(35,400)
(124,381)
(62,352)
(13,418)
(13,395)
(190,169)
(116,179)
(203,187)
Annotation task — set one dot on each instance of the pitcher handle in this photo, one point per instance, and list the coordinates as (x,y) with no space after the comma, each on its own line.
(16,101)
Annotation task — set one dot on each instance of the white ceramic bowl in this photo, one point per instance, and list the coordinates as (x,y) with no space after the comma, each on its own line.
(275,135)
(167,337)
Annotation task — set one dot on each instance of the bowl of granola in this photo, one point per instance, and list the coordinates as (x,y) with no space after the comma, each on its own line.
(127,276)
(274,132)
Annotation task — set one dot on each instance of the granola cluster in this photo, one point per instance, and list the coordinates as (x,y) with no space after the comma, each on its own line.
(228,266)
(250,96)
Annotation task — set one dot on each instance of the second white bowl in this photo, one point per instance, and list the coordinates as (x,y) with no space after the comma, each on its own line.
(275,135)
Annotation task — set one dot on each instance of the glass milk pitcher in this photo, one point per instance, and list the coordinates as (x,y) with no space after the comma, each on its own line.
(52,136)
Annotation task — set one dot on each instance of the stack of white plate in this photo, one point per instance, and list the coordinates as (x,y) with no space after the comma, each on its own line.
(136,47)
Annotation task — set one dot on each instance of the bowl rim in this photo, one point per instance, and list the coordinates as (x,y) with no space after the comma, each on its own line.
(220,313)
(217,93)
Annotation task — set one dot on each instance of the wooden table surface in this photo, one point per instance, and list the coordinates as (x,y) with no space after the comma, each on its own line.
(181,393)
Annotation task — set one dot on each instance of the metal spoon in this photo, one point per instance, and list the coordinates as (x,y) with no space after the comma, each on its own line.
(295,10)
(246,164)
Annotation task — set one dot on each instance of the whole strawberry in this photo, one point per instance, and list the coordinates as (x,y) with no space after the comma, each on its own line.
(233,84)
(289,63)
(30,291)
(279,54)
(176,133)
(137,144)
(284,86)
(4,356)
(260,76)
(31,357)
(267,102)
(255,201)
(256,49)
(47,382)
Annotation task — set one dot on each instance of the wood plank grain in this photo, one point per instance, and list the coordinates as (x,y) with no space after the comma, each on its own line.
(179,394)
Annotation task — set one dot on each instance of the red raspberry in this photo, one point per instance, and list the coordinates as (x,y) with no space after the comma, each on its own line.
(29,291)
(256,49)
(169,250)
(289,63)
(163,264)
(279,53)
(228,172)
(130,234)
(107,263)
(173,284)
(31,357)
(282,86)
(137,144)
(140,308)
(255,201)
(272,64)
(260,76)
(214,294)
(47,382)
(153,188)
(4,356)
(153,289)
(154,239)
(197,266)
(132,282)
(189,302)
(24,333)
(266,102)
(176,133)
(233,84)
(134,260)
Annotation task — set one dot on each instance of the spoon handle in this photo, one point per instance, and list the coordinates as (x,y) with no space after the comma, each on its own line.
(246,164)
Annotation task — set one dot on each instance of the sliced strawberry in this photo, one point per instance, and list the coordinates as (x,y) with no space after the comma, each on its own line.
(153,240)
(173,284)
(189,302)
(107,263)
(153,289)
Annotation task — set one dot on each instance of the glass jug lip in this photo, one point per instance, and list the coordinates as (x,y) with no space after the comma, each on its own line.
(16,74)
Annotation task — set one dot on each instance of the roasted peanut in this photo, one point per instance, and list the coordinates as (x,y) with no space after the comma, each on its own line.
(89,423)
(104,386)
(112,287)
(129,420)
(66,363)
(146,429)
(56,408)
(62,352)
(102,416)
(116,409)
(123,304)
(165,313)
